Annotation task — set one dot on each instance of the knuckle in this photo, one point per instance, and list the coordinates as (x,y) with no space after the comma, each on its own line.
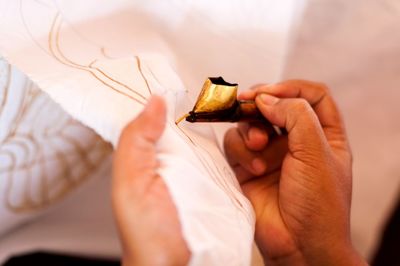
(323,87)
(301,105)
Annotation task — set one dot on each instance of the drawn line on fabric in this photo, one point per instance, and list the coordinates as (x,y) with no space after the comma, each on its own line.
(20,139)
(5,89)
(54,47)
(212,168)
(202,155)
(56,53)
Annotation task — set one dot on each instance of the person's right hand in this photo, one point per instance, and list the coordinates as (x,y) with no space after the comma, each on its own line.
(299,184)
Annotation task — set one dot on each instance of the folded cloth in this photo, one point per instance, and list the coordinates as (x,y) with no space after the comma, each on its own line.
(102,61)
(45,154)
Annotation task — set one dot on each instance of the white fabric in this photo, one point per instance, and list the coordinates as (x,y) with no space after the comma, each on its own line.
(94,58)
(44,153)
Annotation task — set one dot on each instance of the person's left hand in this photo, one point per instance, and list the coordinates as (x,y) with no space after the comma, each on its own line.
(146,216)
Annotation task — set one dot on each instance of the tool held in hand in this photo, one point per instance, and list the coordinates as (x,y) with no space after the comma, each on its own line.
(218,102)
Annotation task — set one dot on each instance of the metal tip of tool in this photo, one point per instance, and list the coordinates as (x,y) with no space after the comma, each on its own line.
(181,118)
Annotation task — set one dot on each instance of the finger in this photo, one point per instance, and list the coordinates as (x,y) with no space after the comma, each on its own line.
(150,123)
(242,175)
(274,153)
(250,94)
(263,185)
(248,164)
(247,95)
(305,134)
(316,94)
(272,157)
(135,156)
(238,154)
(255,135)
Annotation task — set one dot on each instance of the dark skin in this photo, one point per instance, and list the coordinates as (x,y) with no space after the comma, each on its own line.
(299,184)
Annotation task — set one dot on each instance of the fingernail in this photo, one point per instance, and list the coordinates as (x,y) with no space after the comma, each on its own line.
(259,166)
(268,99)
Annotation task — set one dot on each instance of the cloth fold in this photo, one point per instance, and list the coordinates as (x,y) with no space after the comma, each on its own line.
(102,61)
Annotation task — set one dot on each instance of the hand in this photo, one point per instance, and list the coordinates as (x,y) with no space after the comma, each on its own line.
(299,184)
(146,216)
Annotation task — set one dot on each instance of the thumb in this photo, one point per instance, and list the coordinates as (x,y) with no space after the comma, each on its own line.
(135,160)
(149,124)
(135,166)
(305,134)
